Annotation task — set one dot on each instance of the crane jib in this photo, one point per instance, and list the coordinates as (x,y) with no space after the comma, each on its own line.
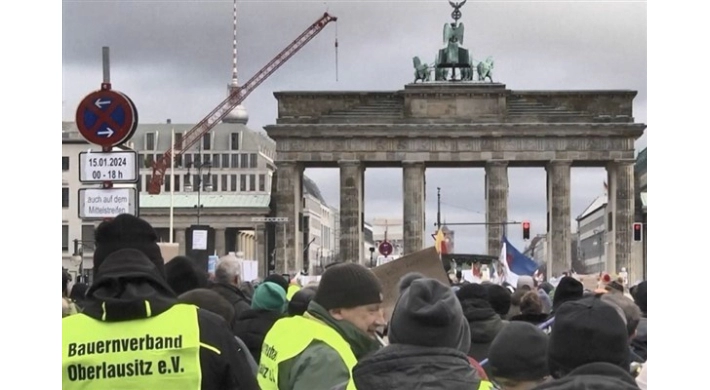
(236,97)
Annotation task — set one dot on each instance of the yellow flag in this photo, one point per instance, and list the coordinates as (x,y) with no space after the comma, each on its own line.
(439,241)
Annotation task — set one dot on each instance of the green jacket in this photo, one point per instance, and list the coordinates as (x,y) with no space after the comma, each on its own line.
(320,366)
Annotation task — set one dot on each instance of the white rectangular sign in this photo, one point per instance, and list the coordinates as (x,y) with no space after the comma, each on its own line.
(199,240)
(269,219)
(98,203)
(117,167)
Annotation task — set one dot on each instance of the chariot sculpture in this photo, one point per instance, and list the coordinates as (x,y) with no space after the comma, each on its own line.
(453,56)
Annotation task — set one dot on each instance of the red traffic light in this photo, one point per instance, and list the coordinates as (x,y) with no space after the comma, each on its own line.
(526,225)
(637,232)
(526,230)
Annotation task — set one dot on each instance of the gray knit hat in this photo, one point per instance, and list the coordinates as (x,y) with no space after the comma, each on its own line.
(428,314)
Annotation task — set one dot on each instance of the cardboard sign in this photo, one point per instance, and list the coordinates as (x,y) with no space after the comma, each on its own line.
(168,250)
(425,262)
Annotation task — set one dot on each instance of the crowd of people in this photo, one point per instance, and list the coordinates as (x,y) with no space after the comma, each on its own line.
(147,323)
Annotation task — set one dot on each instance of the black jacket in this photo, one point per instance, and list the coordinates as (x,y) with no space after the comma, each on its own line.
(127,278)
(252,326)
(233,295)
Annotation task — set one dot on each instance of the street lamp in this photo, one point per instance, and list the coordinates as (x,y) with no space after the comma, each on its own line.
(78,258)
(198,183)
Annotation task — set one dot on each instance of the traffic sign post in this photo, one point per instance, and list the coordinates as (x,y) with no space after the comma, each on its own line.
(117,167)
(106,118)
(103,203)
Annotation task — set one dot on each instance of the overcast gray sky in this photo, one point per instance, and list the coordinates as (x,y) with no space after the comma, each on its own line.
(173,58)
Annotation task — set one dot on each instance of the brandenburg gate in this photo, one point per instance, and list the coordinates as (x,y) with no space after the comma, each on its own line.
(456,122)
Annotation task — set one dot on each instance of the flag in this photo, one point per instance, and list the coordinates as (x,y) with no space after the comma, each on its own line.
(440,242)
(517,262)
(503,272)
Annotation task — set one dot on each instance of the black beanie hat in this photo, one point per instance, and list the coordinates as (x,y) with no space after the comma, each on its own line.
(278,279)
(587,331)
(640,296)
(519,352)
(183,275)
(499,298)
(123,232)
(569,289)
(428,314)
(472,291)
(300,300)
(348,285)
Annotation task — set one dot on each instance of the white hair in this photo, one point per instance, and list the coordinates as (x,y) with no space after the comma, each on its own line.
(227,270)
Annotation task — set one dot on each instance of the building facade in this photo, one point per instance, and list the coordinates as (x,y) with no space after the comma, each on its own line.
(318,228)
(591,230)
(223,181)
(537,249)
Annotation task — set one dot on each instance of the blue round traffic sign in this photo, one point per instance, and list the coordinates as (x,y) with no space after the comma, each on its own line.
(385,248)
(106,118)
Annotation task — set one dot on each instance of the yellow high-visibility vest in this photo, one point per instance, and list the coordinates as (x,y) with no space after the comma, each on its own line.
(151,353)
(292,290)
(485,385)
(291,336)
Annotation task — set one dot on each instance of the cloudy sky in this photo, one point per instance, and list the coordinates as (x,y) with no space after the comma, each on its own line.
(173,58)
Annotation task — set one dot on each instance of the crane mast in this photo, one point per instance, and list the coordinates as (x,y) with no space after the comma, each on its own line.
(236,97)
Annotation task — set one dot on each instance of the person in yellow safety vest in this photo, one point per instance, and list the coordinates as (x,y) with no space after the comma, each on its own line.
(293,287)
(133,333)
(429,340)
(292,290)
(319,349)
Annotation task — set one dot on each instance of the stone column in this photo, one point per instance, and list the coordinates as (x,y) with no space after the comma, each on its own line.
(219,245)
(260,234)
(413,197)
(620,218)
(252,246)
(180,240)
(351,173)
(496,204)
(559,216)
(289,176)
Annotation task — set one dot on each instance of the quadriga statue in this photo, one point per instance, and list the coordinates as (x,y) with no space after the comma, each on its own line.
(421,71)
(485,69)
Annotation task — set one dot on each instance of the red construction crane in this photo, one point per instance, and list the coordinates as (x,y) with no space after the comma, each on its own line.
(236,97)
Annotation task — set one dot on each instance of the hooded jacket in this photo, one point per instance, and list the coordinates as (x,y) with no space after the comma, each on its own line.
(127,280)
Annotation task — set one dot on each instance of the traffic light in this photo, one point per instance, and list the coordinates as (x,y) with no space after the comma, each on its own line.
(526,230)
(638,230)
